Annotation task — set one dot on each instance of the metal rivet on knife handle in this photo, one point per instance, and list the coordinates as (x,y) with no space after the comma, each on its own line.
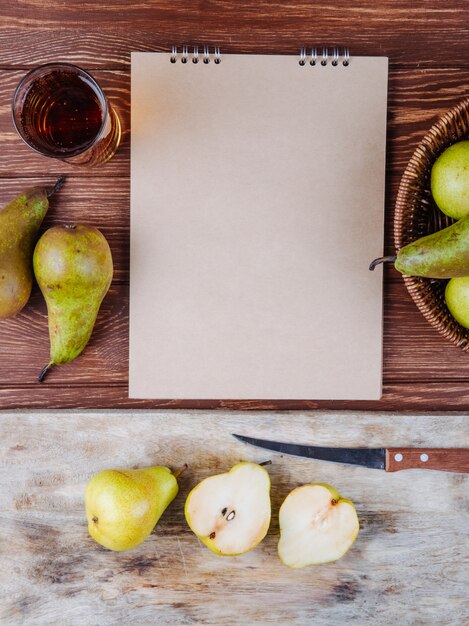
(444,459)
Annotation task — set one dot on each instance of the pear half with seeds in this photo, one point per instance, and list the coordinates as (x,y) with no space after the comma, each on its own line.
(230,513)
(317,526)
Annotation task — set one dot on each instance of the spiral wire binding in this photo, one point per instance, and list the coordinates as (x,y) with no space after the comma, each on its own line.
(335,58)
(185,54)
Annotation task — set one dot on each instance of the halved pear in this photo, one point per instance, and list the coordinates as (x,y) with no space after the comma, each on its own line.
(316,526)
(230,513)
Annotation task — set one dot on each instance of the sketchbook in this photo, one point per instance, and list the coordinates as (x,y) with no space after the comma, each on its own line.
(257,203)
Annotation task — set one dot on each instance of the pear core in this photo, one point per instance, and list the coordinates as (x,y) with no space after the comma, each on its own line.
(230,513)
(316,526)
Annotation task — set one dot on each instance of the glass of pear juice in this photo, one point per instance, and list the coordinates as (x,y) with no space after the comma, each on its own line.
(60,111)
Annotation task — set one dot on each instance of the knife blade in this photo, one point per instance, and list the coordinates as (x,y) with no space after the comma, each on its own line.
(389,459)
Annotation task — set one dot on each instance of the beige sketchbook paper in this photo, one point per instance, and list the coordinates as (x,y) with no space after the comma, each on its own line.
(257,204)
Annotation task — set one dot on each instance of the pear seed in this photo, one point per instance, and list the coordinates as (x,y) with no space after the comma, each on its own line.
(230,516)
(212,536)
(224,511)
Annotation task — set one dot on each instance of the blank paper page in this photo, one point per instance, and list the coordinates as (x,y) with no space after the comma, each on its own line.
(257,193)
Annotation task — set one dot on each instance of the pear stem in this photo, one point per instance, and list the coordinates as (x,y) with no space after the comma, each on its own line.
(60,181)
(269,462)
(43,372)
(179,471)
(382,259)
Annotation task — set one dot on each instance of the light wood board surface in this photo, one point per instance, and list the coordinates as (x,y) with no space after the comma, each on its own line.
(409,565)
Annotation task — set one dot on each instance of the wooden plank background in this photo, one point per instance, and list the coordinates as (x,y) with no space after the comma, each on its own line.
(428,46)
(408,566)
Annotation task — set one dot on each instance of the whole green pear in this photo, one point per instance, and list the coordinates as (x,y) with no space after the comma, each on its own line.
(444,254)
(450,180)
(457,299)
(123,506)
(20,221)
(73,268)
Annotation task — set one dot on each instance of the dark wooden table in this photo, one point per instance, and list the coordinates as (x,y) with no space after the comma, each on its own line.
(428,46)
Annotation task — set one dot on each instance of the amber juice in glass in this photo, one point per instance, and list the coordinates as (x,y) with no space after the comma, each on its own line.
(60,111)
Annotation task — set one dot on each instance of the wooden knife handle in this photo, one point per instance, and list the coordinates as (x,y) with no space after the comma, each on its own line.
(445,459)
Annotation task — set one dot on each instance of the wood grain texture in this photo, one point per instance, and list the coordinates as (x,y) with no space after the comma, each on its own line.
(411,354)
(443,459)
(102,201)
(417,96)
(429,71)
(408,565)
(18,160)
(398,397)
(428,32)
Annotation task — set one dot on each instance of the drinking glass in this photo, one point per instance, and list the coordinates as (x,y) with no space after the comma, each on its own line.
(60,111)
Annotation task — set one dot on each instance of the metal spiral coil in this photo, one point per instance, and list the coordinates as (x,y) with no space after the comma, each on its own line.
(195,56)
(324,58)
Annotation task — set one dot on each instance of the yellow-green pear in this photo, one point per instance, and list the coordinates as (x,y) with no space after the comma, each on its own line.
(73,268)
(123,506)
(457,299)
(230,513)
(317,526)
(20,221)
(450,180)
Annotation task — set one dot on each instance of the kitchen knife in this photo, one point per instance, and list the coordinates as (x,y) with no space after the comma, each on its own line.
(389,459)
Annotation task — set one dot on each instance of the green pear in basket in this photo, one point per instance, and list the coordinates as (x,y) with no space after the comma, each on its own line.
(457,299)
(444,254)
(450,180)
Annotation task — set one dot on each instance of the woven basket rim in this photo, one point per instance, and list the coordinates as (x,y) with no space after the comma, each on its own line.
(424,154)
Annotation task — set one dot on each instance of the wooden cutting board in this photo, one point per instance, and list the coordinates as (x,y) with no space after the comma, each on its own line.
(408,565)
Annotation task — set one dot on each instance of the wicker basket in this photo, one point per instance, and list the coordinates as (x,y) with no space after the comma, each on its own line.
(416,214)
